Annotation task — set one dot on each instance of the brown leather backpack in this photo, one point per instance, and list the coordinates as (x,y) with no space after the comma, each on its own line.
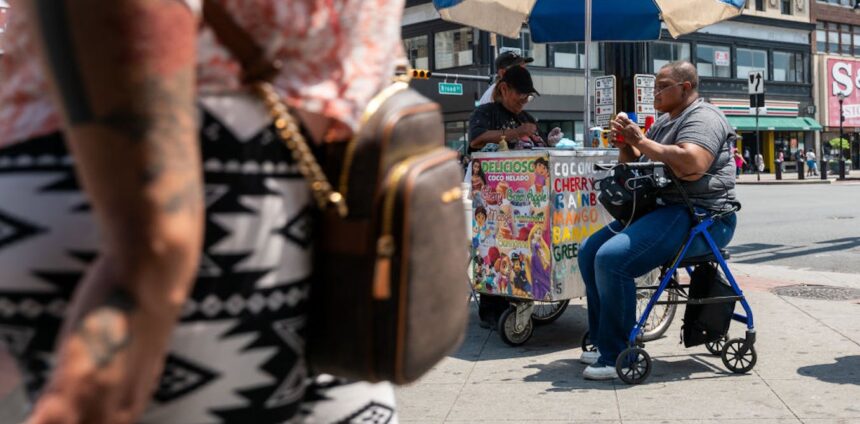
(388,300)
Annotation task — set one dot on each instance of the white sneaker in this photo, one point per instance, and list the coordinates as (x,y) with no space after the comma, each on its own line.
(589,357)
(599,372)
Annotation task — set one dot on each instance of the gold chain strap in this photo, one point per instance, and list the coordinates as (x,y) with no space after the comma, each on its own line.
(291,135)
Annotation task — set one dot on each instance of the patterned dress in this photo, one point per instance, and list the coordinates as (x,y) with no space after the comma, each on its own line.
(237,354)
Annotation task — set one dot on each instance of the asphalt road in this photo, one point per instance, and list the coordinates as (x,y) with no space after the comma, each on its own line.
(813,227)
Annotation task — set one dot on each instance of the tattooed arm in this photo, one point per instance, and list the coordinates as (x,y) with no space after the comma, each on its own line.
(123,71)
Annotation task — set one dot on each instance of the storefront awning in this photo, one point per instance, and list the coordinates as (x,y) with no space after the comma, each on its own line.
(774,123)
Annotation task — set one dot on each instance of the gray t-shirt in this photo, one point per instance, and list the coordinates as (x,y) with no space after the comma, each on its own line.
(704,125)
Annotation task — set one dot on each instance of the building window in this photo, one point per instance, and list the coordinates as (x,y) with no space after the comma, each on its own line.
(759,5)
(572,55)
(857,41)
(664,52)
(713,61)
(845,39)
(832,38)
(454,48)
(525,47)
(457,135)
(750,60)
(820,37)
(786,7)
(790,67)
(417,50)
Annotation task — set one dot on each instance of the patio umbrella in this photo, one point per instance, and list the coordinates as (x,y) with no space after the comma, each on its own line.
(588,20)
(836,142)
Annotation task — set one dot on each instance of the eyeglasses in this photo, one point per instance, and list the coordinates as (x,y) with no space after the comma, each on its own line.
(661,89)
(525,97)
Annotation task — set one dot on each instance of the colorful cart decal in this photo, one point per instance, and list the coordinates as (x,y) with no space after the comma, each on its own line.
(531,211)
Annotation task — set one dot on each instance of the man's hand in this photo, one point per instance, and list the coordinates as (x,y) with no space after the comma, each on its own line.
(525,130)
(628,129)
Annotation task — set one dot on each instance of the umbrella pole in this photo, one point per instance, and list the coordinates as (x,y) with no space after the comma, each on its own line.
(587,112)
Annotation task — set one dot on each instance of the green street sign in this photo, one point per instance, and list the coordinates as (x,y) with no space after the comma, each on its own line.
(451,89)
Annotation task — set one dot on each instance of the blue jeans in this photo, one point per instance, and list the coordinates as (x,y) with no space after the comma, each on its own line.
(609,262)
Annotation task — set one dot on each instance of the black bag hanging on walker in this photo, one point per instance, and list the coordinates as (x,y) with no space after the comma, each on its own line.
(627,193)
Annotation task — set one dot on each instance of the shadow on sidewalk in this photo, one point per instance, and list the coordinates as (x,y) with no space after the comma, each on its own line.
(757,253)
(566,375)
(846,370)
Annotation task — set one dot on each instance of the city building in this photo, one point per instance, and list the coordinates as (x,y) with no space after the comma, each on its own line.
(837,69)
(772,36)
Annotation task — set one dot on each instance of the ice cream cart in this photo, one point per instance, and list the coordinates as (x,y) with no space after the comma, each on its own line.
(531,210)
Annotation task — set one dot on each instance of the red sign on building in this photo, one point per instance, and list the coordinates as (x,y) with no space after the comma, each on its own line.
(843,77)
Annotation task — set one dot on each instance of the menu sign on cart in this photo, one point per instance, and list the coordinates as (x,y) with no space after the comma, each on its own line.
(604,100)
(644,87)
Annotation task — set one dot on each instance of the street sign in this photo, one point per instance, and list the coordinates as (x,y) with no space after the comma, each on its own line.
(451,88)
(755,82)
(644,87)
(604,100)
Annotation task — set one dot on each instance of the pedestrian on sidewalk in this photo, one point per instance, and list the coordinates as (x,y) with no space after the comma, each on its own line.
(780,160)
(740,163)
(811,164)
(759,162)
(694,139)
(747,163)
(158,300)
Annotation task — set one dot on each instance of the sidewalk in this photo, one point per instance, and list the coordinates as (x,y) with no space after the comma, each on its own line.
(808,369)
(787,178)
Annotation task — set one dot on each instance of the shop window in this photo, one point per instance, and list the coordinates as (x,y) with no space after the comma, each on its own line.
(790,67)
(664,52)
(525,47)
(457,135)
(572,55)
(454,48)
(713,61)
(750,60)
(417,51)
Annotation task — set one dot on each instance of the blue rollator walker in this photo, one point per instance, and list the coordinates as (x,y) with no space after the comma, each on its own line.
(738,355)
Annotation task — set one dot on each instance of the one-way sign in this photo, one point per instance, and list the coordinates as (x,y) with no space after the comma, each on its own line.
(756,82)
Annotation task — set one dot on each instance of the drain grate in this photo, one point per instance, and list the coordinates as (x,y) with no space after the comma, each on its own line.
(815,291)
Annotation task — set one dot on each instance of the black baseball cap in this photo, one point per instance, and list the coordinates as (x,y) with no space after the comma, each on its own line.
(520,79)
(510,58)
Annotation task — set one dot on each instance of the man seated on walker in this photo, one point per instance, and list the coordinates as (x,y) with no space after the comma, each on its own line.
(694,139)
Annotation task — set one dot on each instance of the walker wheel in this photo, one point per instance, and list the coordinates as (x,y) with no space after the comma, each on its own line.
(586,344)
(508,331)
(633,365)
(716,346)
(736,359)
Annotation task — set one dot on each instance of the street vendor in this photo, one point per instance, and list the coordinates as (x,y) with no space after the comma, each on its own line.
(694,139)
(505,119)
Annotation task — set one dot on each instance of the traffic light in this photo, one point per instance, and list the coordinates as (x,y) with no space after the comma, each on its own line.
(421,73)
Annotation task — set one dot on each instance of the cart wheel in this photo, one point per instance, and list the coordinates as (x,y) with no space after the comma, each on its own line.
(508,331)
(716,346)
(661,316)
(547,312)
(633,365)
(586,344)
(737,361)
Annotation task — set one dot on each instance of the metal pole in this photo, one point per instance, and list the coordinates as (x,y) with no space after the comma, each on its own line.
(841,137)
(757,146)
(587,112)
